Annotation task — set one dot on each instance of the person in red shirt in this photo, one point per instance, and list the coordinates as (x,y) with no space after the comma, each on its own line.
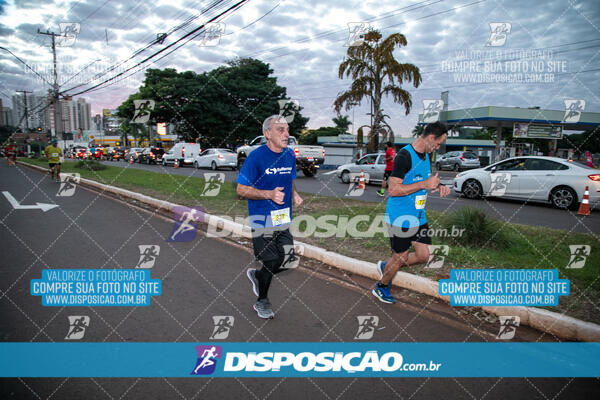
(11,153)
(390,154)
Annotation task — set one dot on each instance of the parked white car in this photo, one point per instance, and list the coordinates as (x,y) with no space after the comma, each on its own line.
(373,165)
(216,158)
(532,178)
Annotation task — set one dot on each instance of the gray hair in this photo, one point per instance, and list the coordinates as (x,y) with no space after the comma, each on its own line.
(274,117)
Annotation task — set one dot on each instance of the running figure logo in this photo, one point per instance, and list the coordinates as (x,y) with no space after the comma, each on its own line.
(432,110)
(212,187)
(579,254)
(223,324)
(366,326)
(207,359)
(142,111)
(573,110)
(67,184)
(212,34)
(437,255)
(353,186)
(499,33)
(69,32)
(186,220)
(508,327)
(356,33)
(148,255)
(290,258)
(500,182)
(77,326)
(288,109)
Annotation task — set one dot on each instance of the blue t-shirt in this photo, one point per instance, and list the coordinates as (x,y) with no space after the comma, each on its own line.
(266,170)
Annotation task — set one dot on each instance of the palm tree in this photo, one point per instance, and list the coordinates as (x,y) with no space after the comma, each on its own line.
(342,122)
(417,130)
(375,73)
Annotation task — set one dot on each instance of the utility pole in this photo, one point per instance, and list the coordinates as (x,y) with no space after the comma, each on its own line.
(55,100)
(26,111)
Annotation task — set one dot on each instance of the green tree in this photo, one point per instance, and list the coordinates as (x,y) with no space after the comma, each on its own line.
(342,122)
(310,137)
(375,74)
(417,130)
(226,105)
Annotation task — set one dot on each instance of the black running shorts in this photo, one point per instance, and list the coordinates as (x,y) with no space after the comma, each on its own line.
(270,245)
(400,241)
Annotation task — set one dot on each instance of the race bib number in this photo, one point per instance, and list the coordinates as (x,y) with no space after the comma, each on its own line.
(420,202)
(280,217)
(54,155)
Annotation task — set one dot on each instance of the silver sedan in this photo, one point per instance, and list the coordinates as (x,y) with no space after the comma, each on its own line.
(373,165)
(216,158)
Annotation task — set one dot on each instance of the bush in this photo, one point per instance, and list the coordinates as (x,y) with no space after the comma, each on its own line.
(90,165)
(479,230)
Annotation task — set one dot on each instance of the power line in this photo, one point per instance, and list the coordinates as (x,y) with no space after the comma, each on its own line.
(193,32)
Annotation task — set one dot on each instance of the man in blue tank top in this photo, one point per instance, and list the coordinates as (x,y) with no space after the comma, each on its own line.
(405,212)
(267,181)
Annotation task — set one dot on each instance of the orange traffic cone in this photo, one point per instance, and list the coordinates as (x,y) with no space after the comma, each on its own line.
(584,207)
(361,180)
(176,163)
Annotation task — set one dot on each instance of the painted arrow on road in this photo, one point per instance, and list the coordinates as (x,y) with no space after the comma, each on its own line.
(40,206)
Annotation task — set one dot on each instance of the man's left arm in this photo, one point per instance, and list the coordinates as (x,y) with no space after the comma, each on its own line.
(295,196)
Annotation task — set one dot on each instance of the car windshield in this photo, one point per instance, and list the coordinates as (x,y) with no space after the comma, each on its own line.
(224,151)
(470,156)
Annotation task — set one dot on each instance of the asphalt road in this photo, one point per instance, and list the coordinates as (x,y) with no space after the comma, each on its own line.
(203,278)
(326,183)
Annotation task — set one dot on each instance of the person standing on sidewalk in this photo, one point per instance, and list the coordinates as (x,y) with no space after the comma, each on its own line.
(390,154)
(405,212)
(53,154)
(266,179)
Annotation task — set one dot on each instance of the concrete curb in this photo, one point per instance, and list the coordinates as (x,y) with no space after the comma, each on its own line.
(562,326)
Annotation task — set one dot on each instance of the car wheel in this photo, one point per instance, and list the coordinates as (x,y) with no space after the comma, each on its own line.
(563,197)
(213,166)
(437,166)
(456,167)
(148,161)
(345,177)
(241,162)
(164,163)
(308,172)
(472,189)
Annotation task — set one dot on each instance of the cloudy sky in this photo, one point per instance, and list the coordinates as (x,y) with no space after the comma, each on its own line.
(304,41)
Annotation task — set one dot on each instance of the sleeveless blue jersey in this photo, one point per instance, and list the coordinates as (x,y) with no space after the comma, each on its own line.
(409,211)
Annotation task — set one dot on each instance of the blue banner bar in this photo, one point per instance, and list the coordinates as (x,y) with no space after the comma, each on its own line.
(293,359)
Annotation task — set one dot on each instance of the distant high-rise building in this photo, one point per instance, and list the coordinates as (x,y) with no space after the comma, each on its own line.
(73,115)
(7,116)
(36,109)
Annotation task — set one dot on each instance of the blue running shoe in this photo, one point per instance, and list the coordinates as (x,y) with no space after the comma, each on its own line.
(381,268)
(382,292)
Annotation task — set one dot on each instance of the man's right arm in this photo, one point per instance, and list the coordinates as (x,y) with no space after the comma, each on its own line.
(251,193)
